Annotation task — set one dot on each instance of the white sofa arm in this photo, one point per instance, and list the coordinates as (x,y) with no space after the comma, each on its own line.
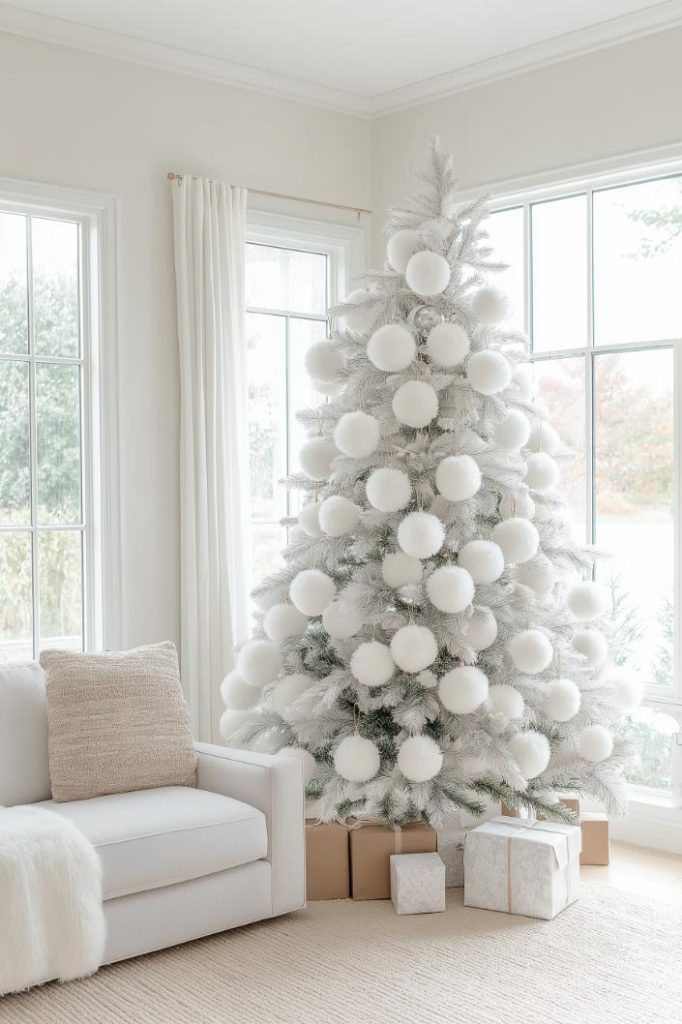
(273,784)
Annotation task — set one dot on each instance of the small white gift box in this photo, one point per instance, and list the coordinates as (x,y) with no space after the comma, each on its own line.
(522,867)
(451,852)
(417,883)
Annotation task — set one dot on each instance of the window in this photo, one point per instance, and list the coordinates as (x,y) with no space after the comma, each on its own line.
(293,274)
(51,558)
(594,275)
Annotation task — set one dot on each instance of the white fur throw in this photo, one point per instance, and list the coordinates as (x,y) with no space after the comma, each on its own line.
(51,918)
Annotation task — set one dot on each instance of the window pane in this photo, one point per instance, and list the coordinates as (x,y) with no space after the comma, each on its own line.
(286,279)
(302,395)
(15,475)
(16,616)
(638,262)
(59,443)
(55,287)
(652,733)
(559,274)
(61,596)
(268,542)
(13,288)
(560,383)
(267,414)
(505,229)
(634,493)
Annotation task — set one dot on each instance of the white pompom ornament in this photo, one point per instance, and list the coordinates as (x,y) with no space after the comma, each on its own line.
(447,344)
(338,515)
(512,433)
(531,751)
(587,600)
(450,589)
(413,648)
(427,273)
(231,720)
(391,348)
(595,743)
(415,404)
(309,519)
(627,689)
(463,689)
(237,694)
(592,645)
(306,759)
(518,539)
(483,559)
(316,458)
(538,574)
(542,472)
(356,434)
(363,316)
(289,689)
(490,305)
(372,664)
(399,569)
(312,591)
(458,477)
(520,504)
(400,247)
(419,758)
(342,620)
(562,700)
(328,387)
(323,362)
(259,662)
(544,438)
(283,621)
(421,535)
(506,700)
(388,490)
(356,759)
(488,372)
(531,651)
(481,629)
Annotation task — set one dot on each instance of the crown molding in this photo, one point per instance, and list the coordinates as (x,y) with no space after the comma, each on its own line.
(626,28)
(17,21)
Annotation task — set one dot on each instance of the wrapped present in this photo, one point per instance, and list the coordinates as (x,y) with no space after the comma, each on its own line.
(595,835)
(451,852)
(417,883)
(371,847)
(327,870)
(522,867)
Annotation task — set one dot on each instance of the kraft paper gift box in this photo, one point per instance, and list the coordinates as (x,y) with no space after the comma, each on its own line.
(451,852)
(595,834)
(327,871)
(417,883)
(522,867)
(371,847)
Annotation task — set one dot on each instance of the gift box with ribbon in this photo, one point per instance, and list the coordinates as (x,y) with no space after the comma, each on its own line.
(451,852)
(371,847)
(522,867)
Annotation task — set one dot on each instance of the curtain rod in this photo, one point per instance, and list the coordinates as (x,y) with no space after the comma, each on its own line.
(172,176)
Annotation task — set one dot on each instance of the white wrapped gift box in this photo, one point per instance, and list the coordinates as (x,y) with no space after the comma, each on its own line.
(451,852)
(417,883)
(522,867)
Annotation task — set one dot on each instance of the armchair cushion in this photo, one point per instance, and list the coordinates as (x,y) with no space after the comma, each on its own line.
(157,837)
(24,775)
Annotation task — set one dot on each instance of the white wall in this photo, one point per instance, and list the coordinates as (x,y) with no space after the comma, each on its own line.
(76,119)
(615,101)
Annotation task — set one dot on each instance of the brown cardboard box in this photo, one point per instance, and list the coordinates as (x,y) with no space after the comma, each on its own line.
(371,847)
(327,871)
(595,835)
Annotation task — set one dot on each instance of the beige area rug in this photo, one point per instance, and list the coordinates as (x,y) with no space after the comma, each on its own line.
(609,959)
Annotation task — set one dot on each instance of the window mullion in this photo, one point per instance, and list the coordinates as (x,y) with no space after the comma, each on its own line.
(677,555)
(33,441)
(590,438)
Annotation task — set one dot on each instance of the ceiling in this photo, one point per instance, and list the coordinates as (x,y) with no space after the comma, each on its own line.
(363,56)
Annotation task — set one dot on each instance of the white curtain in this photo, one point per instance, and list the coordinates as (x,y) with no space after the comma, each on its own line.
(209,221)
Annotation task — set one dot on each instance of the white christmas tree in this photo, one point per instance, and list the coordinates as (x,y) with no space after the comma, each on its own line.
(436,639)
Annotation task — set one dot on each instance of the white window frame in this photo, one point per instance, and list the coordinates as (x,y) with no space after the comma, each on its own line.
(343,245)
(95,213)
(654,819)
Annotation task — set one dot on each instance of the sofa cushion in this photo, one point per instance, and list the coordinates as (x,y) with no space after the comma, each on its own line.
(24,774)
(117,721)
(156,837)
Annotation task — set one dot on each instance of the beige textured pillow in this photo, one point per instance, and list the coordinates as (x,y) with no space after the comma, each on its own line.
(116,722)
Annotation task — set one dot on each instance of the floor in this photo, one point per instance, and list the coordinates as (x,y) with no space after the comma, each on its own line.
(641,872)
